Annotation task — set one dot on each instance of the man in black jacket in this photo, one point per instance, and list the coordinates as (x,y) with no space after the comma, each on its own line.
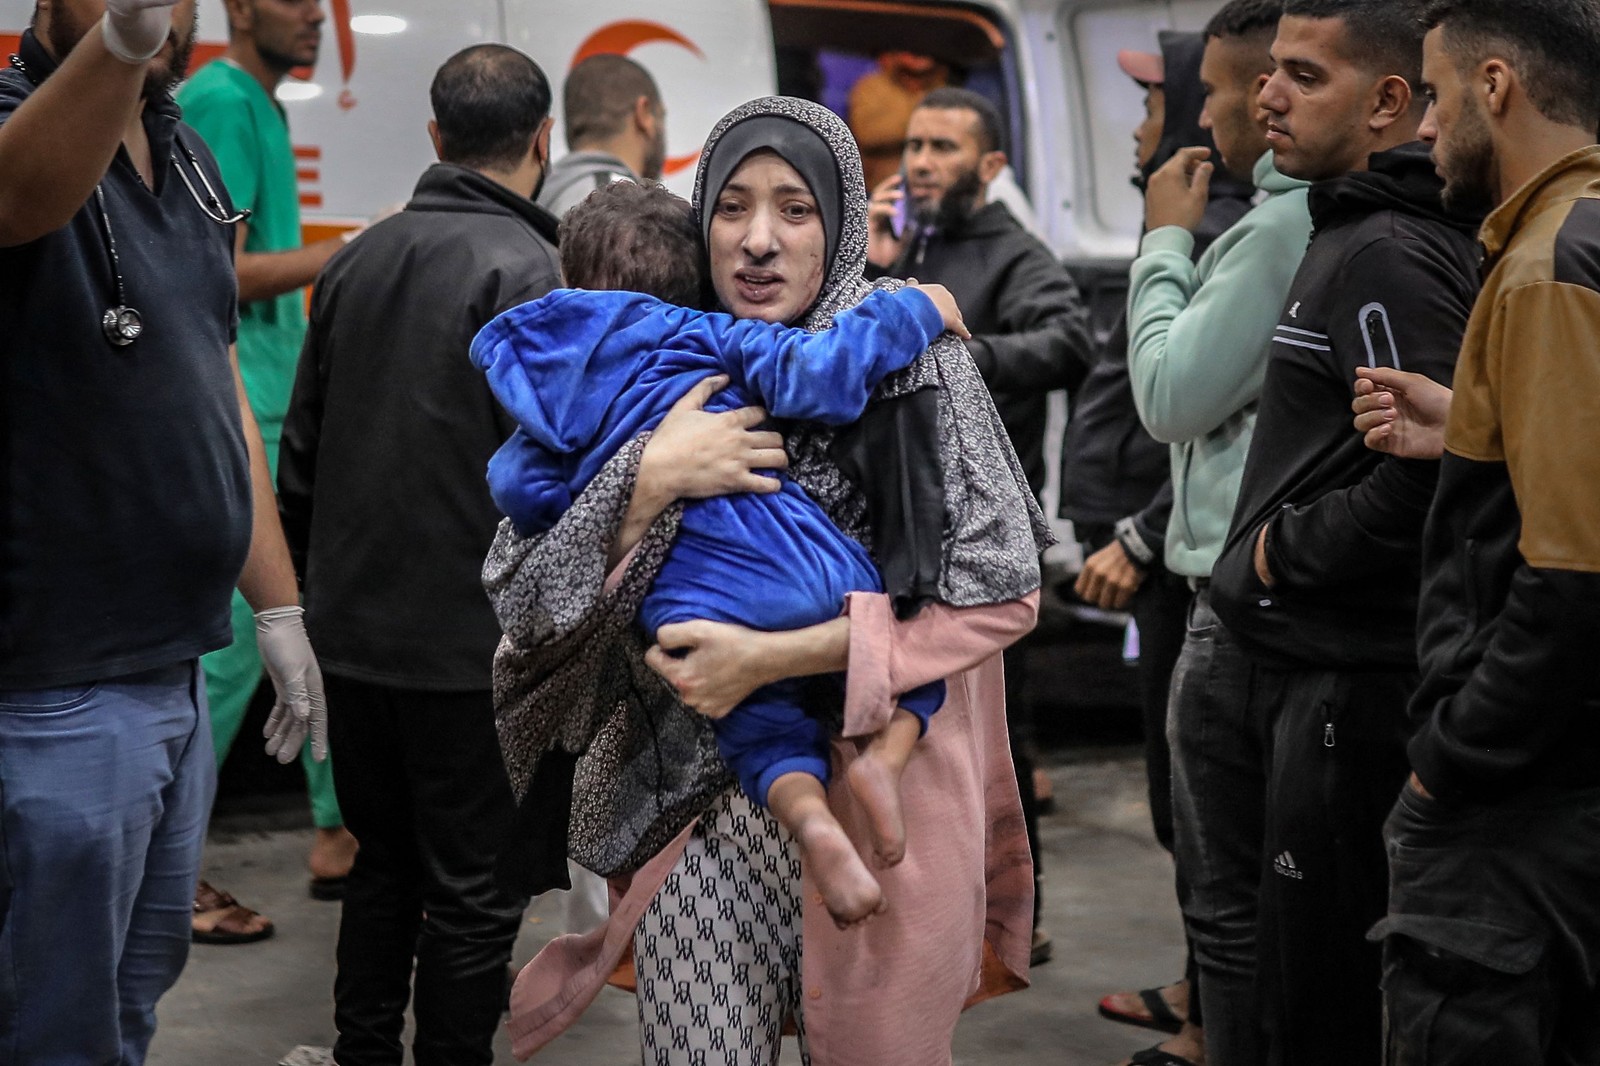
(1319,579)
(1030,329)
(381,480)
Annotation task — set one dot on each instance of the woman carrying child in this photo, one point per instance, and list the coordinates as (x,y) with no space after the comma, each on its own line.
(729,937)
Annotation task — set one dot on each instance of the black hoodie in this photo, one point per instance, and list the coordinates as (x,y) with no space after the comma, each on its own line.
(1030,329)
(1111,468)
(1389,280)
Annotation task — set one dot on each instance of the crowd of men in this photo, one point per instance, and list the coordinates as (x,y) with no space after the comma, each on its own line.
(1352,206)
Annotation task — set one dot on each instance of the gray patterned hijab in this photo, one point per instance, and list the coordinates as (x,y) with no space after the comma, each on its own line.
(574,699)
(994,529)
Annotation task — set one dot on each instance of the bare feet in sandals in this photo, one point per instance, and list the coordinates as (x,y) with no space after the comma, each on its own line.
(1165,1010)
(220,919)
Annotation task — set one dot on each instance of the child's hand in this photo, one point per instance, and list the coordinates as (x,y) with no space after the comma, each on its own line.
(947,307)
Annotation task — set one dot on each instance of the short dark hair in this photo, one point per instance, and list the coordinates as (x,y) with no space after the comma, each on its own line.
(991,129)
(599,95)
(1383,36)
(1553,44)
(1245,18)
(489,101)
(638,237)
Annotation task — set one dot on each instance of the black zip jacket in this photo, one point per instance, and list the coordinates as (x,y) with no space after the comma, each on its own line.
(1111,468)
(1389,280)
(390,428)
(1030,328)
(1510,621)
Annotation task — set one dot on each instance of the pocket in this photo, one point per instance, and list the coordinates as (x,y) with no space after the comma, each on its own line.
(46,700)
(1443,976)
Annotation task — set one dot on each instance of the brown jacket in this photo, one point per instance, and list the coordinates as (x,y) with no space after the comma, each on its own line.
(1510,616)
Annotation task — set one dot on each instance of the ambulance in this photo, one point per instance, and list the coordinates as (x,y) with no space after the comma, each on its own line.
(358,119)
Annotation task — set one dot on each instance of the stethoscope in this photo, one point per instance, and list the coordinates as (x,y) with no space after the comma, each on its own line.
(122,324)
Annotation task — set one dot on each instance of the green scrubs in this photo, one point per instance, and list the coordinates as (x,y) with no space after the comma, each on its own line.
(247,132)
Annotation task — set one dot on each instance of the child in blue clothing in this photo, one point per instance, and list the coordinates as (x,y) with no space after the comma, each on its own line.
(587,369)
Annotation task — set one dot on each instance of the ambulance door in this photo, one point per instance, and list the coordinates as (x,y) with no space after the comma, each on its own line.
(708,57)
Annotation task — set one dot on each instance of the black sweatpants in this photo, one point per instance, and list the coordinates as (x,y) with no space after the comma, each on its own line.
(424,791)
(1492,943)
(1337,760)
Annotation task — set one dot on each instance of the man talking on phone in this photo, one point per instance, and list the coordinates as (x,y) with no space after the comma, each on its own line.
(1030,329)
(935,222)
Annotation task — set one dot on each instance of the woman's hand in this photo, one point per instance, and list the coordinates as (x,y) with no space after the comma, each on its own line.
(693,455)
(712,665)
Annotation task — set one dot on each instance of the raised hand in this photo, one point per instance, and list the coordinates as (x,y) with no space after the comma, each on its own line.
(135,30)
(1178,193)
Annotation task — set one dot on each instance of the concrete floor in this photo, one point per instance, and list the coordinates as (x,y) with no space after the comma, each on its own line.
(1108,904)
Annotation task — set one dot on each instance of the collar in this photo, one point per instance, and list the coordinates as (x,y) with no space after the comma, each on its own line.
(447,187)
(1561,181)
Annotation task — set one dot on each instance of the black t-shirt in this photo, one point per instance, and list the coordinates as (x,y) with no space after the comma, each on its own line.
(125,504)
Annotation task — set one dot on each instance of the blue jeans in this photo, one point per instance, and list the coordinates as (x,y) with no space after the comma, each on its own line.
(105,789)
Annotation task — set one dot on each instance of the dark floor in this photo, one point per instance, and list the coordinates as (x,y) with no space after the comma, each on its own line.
(1108,903)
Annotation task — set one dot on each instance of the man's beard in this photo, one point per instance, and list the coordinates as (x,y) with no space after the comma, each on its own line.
(282,62)
(159,80)
(955,206)
(1469,165)
(655,161)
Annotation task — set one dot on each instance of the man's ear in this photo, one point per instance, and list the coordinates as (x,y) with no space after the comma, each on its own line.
(990,164)
(1392,104)
(241,16)
(644,117)
(541,143)
(438,143)
(1496,82)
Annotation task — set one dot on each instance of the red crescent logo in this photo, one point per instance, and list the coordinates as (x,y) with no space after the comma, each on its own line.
(620,38)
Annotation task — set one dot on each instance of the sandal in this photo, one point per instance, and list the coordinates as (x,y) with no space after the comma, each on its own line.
(1154,1056)
(233,924)
(1163,1019)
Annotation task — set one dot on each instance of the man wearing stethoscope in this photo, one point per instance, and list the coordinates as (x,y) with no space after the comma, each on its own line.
(133,492)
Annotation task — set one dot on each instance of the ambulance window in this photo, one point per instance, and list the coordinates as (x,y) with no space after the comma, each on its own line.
(1110,105)
(827,48)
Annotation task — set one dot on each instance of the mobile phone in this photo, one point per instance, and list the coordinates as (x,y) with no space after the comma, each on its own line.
(901,220)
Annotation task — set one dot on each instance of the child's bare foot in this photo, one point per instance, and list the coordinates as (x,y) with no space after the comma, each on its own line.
(849,891)
(876,783)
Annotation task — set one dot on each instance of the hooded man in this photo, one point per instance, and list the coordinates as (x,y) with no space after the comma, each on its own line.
(1116,487)
(1388,280)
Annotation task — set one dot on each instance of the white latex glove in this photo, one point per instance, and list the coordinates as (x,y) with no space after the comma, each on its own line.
(135,30)
(301,708)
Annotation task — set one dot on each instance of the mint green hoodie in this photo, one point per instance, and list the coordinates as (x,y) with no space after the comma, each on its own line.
(1198,336)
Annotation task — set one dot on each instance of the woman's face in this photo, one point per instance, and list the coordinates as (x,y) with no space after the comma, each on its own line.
(767,242)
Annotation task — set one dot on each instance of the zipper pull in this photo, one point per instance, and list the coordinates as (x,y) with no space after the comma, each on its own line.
(1327,735)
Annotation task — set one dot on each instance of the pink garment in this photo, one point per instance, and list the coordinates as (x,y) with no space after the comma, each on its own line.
(960,917)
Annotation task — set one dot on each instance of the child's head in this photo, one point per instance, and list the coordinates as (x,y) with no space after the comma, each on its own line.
(637,237)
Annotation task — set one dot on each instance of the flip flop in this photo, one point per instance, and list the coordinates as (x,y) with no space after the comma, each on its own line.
(328,889)
(1154,1056)
(1162,1017)
(209,900)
